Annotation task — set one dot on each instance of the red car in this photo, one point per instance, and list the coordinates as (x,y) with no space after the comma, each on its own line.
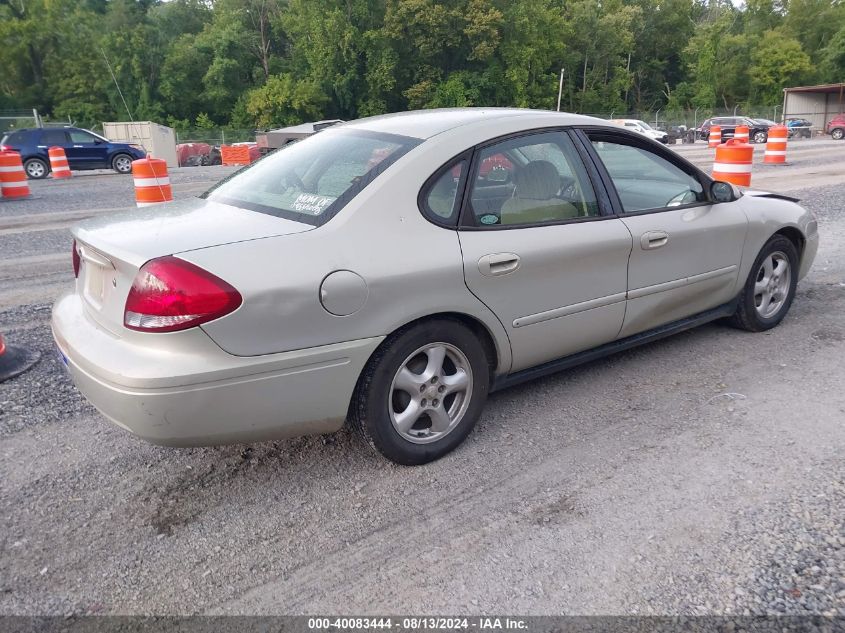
(836,127)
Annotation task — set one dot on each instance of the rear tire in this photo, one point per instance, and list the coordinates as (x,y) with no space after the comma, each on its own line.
(770,288)
(422,392)
(122,164)
(760,137)
(36,169)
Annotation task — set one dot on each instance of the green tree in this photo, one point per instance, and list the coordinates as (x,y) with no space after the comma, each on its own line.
(284,100)
(778,61)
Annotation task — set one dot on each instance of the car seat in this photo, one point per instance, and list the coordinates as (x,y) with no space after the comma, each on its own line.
(537,184)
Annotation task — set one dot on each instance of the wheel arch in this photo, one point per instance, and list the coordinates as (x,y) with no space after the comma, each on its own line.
(795,236)
(488,341)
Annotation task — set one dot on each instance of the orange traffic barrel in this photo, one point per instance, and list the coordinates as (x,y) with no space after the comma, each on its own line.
(733,162)
(15,360)
(776,145)
(715,136)
(152,184)
(58,163)
(12,176)
(741,133)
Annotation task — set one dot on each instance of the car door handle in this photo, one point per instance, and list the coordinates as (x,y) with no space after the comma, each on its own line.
(654,239)
(79,146)
(498,264)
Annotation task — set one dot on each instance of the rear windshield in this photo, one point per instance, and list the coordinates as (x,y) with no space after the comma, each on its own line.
(310,181)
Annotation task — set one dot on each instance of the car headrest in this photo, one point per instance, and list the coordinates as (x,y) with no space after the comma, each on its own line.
(538,180)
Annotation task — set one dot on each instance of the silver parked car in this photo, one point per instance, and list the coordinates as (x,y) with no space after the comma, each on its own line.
(393,271)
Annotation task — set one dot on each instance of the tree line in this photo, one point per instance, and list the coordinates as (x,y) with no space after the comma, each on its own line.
(259,63)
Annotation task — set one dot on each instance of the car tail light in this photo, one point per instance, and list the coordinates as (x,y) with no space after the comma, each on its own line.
(170,294)
(4,148)
(75,257)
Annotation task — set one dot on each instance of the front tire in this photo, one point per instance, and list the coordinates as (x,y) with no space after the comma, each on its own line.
(36,169)
(770,287)
(122,164)
(838,134)
(422,391)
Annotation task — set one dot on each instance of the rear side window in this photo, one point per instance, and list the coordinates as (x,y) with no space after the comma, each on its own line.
(53,137)
(15,138)
(441,200)
(546,183)
(313,179)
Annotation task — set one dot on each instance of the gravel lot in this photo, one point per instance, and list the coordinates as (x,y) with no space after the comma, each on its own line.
(702,474)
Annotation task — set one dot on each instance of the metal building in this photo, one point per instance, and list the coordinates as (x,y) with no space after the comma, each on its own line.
(818,104)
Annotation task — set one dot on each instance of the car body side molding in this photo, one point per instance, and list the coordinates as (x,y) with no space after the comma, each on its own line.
(567,362)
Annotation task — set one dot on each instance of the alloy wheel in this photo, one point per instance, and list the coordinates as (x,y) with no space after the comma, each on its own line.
(772,286)
(35,169)
(123,164)
(430,393)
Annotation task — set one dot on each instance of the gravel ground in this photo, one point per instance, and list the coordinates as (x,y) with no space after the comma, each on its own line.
(665,495)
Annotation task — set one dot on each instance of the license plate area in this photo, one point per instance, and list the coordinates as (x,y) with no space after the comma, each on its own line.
(96,272)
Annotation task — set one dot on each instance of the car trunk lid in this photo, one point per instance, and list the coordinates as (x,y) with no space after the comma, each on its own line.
(112,248)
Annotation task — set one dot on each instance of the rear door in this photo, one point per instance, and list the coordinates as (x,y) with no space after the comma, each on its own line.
(686,250)
(86,151)
(548,260)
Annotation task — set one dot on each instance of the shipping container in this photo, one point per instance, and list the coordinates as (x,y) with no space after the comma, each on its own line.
(158,140)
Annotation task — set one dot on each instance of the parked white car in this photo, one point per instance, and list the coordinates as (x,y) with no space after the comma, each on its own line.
(641,127)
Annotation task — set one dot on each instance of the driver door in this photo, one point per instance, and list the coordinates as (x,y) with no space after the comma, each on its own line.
(86,151)
(686,250)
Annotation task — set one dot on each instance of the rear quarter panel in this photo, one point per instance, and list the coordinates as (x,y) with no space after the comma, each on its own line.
(412,269)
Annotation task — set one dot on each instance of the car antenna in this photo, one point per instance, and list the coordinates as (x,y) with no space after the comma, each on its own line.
(122,98)
(132,125)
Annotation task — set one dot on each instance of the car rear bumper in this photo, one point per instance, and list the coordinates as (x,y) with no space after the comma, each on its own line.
(186,391)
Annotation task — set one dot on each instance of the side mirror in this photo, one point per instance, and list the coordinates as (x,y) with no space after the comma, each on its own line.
(723,192)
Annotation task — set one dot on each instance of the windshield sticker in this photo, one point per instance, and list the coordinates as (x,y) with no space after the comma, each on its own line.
(311,203)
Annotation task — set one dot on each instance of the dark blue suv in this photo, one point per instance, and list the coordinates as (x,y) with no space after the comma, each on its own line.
(84,150)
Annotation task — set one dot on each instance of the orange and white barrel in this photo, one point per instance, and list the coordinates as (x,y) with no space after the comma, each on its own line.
(776,145)
(715,136)
(12,176)
(152,184)
(733,162)
(58,163)
(741,133)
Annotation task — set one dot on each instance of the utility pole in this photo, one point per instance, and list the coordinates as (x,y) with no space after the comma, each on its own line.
(560,89)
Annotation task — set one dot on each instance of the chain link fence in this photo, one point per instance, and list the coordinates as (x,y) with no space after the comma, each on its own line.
(665,119)
(216,136)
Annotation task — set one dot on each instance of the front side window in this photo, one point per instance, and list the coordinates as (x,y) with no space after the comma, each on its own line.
(645,180)
(540,179)
(80,136)
(313,179)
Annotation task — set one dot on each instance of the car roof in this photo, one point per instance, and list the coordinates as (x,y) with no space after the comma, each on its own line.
(427,123)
